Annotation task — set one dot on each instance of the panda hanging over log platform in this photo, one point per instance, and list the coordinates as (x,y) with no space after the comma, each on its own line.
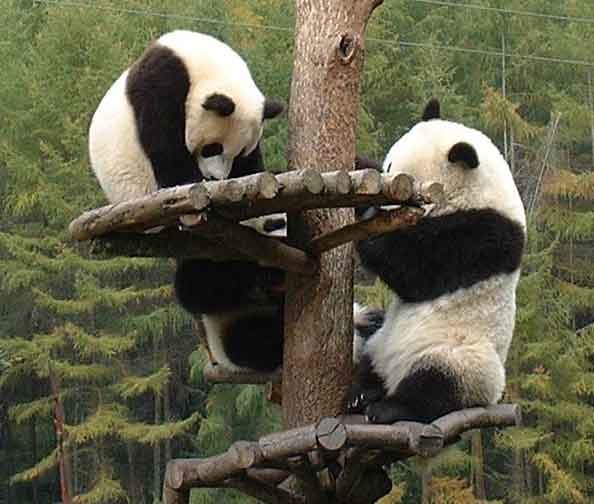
(188,110)
(445,338)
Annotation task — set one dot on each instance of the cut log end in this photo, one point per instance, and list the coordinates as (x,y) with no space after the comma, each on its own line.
(312,181)
(400,187)
(199,196)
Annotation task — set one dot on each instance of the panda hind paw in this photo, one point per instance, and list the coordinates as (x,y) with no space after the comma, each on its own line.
(360,397)
(388,411)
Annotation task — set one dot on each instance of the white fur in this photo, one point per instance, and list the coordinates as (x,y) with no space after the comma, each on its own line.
(117,157)
(423,153)
(360,314)
(118,160)
(469,330)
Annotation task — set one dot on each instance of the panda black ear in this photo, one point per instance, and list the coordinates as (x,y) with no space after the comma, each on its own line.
(464,153)
(219,103)
(272,108)
(432,110)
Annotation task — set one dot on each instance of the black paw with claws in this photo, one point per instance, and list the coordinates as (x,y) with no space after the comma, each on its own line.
(387,411)
(361,395)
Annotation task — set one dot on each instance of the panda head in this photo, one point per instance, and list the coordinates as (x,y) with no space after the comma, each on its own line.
(471,169)
(225,110)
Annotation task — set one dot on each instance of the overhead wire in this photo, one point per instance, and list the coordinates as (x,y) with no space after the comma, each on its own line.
(501,10)
(392,42)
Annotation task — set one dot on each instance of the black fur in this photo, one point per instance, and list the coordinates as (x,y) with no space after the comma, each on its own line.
(464,153)
(157,87)
(219,103)
(366,163)
(204,286)
(428,391)
(274,224)
(368,388)
(272,108)
(210,150)
(256,341)
(248,165)
(443,254)
(432,110)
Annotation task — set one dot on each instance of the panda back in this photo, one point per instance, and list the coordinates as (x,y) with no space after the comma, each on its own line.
(117,158)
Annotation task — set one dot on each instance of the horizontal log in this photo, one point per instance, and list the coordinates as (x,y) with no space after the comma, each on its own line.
(215,373)
(264,250)
(168,243)
(383,222)
(254,195)
(501,415)
(263,492)
(211,237)
(365,444)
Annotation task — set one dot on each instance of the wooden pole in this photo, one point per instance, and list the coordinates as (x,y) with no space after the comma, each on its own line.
(328,59)
(59,421)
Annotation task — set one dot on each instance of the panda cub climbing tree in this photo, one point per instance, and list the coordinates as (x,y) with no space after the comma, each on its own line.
(446,335)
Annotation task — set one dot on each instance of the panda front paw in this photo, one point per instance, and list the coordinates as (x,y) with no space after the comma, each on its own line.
(360,396)
(387,411)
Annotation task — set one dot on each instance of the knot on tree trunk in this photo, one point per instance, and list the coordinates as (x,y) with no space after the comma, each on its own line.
(347,47)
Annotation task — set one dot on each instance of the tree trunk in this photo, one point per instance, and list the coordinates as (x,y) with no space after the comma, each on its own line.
(63,457)
(426,485)
(157,420)
(328,59)
(167,418)
(34,455)
(478,465)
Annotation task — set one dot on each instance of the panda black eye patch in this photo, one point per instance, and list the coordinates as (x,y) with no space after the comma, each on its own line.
(210,150)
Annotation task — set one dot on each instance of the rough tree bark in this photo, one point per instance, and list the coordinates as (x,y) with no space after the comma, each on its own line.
(328,59)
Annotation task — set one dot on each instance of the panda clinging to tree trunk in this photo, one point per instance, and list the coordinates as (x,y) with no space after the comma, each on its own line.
(445,338)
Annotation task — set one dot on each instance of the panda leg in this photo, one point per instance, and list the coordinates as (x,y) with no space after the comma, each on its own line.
(203,286)
(428,392)
(255,341)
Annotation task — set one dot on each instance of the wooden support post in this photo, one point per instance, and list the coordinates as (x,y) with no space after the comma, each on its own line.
(325,90)
(328,59)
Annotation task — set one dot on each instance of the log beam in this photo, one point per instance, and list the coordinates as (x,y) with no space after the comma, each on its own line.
(253,196)
(259,467)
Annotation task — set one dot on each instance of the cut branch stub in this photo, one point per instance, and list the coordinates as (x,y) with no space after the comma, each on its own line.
(199,196)
(338,182)
(367,182)
(400,187)
(331,434)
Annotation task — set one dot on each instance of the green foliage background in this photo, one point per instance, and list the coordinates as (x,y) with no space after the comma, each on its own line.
(109,331)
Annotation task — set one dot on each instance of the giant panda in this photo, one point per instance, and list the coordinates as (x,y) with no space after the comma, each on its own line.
(188,110)
(446,335)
